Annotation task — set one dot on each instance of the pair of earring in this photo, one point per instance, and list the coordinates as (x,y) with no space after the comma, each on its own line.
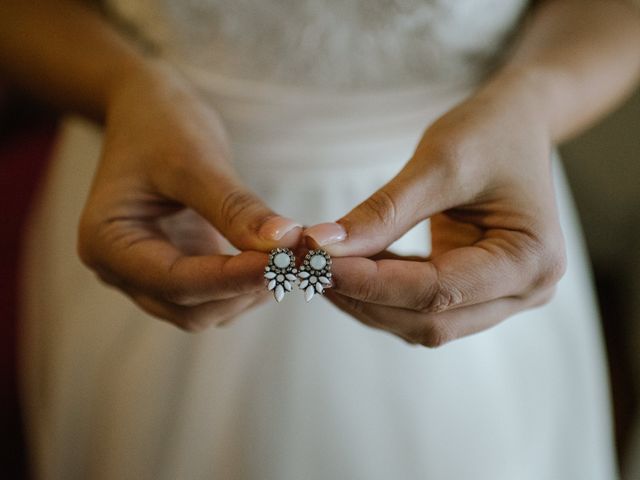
(313,277)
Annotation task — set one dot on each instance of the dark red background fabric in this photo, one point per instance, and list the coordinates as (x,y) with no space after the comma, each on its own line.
(27,134)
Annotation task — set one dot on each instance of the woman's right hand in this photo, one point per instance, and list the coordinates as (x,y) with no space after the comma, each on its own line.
(164,199)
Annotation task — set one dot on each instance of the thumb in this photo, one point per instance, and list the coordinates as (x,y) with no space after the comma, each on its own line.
(238,213)
(410,197)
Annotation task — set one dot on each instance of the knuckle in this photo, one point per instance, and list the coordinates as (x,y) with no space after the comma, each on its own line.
(409,339)
(544,256)
(382,207)
(177,295)
(179,289)
(552,266)
(413,336)
(356,309)
(366,292)
(355,306)
(439,297)
(235,206)
(435,334)
(545,297)
(228,281)
(93,258)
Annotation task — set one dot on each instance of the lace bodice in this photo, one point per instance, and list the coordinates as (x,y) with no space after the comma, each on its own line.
(328,44)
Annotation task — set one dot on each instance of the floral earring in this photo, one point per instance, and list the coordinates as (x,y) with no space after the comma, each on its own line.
(315,273)
(280,272)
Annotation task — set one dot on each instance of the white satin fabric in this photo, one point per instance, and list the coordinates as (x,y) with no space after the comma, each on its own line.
(296,391)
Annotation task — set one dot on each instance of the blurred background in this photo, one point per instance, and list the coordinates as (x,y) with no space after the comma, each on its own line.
(603,167)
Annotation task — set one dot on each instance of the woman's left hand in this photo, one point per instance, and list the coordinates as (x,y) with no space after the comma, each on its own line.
(482,174)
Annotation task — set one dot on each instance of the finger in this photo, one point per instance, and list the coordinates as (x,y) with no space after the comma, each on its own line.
(436,329)
(388,255)
(493,268)
(132,255)
(372,226)
(198,318)
(236,212)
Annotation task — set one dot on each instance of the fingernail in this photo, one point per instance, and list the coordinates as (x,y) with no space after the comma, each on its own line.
(277,227)
(326,234)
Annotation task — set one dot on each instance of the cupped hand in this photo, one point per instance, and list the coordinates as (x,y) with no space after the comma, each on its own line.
(164,202)
(482,175)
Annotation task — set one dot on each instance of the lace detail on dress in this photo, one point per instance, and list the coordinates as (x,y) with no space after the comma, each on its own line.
(332,44)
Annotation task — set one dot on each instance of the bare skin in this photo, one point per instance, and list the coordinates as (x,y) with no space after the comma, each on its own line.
(165,203)
(482,174)
(165,199)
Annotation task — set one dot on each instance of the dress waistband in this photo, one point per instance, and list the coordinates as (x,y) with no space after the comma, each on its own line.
(272,125)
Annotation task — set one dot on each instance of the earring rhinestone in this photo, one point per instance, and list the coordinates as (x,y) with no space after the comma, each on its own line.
(315,273)
(280,272)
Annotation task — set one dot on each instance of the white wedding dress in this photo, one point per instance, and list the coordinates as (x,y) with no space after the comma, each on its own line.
(324,100)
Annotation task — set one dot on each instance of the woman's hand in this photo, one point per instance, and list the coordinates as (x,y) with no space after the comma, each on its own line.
(482,174)
(164,182)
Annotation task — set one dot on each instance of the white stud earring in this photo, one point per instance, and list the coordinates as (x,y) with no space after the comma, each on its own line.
(280,272)
(315,273)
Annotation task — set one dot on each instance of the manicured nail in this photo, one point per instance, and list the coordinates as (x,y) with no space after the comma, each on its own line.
(326,234)
(276,228)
